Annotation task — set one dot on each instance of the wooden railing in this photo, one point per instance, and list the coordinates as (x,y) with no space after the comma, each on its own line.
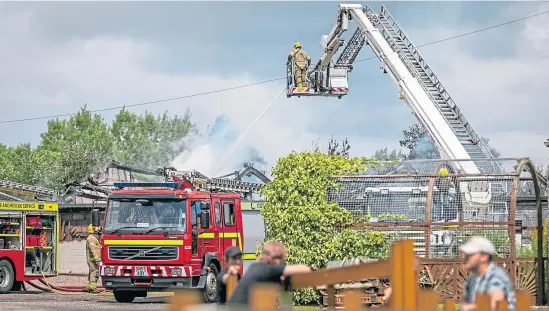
(399,268)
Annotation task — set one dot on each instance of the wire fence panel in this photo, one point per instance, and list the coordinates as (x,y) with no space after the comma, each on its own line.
(438,206)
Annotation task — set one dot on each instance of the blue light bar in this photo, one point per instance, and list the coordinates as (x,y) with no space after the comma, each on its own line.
(121,185)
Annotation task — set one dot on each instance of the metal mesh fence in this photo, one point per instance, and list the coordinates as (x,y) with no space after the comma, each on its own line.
(438,206)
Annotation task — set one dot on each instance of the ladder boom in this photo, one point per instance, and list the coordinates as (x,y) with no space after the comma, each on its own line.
(28,189)
(414,94)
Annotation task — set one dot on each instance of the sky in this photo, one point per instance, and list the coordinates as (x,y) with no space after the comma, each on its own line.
(58,57)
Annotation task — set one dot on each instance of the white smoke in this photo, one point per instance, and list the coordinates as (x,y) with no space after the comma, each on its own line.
(204,152)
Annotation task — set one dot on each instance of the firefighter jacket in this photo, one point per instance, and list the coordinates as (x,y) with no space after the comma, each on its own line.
(302,60)
(93,248)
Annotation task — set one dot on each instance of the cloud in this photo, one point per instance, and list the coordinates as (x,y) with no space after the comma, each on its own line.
(500,90)
(104,71)
(44,76)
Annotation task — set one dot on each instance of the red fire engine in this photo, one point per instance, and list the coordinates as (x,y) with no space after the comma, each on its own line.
(170,235)
(29,242)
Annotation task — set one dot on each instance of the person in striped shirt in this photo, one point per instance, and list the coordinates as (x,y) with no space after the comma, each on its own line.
(486,277)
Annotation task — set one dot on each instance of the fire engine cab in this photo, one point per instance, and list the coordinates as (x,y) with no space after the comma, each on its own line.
(170,235)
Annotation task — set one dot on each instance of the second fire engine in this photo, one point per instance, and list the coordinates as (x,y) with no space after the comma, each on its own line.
(170,235)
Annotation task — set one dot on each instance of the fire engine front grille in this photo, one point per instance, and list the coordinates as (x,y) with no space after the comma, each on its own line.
(143,252)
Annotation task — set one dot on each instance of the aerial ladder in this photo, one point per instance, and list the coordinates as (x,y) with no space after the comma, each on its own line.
(194,180)
(37,192)
(420,88)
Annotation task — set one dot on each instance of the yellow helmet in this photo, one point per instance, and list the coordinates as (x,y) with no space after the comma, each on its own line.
(443,171)
(92,229)
(297,45)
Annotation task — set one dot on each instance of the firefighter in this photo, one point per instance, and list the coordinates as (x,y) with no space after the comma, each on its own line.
(445,186)
(93,254)
(302,63)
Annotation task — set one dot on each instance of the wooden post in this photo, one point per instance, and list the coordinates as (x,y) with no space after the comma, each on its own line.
(482,302)
(409,280)
(330,297)
(397,296)
(427,301)
(263,297)
(231,285)
(352,300)
(523,301)
(450,305)
(183,299)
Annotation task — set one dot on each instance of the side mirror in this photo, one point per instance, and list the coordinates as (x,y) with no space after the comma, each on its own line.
(204,220)
(205,205)
(96,220)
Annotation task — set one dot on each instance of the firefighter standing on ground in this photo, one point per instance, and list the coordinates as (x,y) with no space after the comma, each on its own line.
(93,254)
(302,63)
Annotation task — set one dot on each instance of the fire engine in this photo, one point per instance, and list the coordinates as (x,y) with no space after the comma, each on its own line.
(169,235)
(29,242)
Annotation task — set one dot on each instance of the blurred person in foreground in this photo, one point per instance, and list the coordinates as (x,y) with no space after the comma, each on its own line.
(233,260)
(486,277)
(270,268)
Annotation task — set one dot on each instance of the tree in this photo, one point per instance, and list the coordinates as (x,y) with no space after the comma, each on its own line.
(75,147)
(333,147)
(417,141)
(149,141)
(384,155)
(492,150)
(297,212)
(421,147)
(21,164)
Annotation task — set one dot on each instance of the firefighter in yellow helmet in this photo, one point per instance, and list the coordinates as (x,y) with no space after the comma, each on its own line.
(443,209)
(302,62)
(93,254)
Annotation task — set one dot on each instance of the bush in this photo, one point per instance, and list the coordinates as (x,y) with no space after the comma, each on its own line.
(297,213)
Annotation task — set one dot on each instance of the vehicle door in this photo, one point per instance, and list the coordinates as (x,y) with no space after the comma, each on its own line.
(202,238)
(216,220)
(230,236)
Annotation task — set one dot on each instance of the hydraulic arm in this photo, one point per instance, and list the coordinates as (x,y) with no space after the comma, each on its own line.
(423,105)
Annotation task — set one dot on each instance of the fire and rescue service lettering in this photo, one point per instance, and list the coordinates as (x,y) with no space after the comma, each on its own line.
(29,206)
(17,205)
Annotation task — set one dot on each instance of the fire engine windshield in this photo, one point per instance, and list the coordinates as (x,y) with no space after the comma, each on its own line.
(148,216)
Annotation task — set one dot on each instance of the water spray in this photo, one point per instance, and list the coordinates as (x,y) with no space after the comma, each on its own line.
(237,142)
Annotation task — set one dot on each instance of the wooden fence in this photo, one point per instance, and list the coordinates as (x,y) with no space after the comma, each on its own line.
(399,268)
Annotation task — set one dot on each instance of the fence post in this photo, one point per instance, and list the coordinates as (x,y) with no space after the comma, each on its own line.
(450,305)
(182,299)
(352,300)
(231,285)
(403,278)
(263,297)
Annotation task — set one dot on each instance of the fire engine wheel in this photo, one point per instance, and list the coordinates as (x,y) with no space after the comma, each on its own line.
(210,289)
(7,276)
(124,296)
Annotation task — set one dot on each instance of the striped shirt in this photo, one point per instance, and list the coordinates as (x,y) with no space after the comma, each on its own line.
(494,279)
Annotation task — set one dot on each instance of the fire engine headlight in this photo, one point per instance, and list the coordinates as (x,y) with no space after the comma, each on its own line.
(109,270)
(175,271)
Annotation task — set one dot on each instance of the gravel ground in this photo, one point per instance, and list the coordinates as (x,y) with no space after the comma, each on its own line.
(76,302)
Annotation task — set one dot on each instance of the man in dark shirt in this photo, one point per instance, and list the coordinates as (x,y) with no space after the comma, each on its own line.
(233,260)
(270,268)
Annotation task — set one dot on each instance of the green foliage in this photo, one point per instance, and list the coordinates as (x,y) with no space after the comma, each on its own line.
(385,155)
(73,149)
(21,164)
(149,141)
(76,147)
(421,147)
(531,251)
(297,212)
